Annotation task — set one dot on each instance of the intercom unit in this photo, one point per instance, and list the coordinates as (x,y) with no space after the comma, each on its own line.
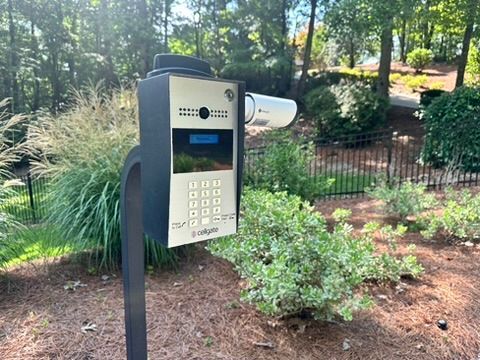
(191,144)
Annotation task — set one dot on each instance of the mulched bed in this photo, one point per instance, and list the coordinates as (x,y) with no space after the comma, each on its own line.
(195,312)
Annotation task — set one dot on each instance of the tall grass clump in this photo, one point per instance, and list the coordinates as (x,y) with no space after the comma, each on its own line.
(82,151)
(9,154)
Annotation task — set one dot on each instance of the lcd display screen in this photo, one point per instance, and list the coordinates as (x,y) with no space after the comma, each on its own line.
(197,150)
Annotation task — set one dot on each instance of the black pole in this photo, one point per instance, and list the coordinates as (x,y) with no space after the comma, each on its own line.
(133,257)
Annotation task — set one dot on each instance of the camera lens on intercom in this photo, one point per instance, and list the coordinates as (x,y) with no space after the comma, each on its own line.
(204,112)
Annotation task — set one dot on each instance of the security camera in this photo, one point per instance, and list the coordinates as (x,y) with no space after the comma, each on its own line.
(269,111)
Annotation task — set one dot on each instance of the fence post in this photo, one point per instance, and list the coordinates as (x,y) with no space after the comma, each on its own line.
(390,142)
(30,195)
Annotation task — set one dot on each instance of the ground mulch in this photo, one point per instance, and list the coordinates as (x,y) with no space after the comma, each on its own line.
(194,312)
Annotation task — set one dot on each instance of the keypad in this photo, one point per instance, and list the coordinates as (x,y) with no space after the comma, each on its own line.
(204,202)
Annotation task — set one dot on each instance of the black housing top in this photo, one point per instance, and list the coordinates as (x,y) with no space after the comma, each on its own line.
(179,64)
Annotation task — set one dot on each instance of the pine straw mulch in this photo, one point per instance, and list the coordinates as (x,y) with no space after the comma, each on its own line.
(195,313)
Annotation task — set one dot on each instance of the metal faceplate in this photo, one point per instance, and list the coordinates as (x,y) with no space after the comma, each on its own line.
(203,204)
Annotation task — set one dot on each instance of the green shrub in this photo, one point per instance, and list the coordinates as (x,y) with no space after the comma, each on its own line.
(345,109)
(437,85)
(342,77)
(266,77)
(414,82)
(426,97)
(403,200)
(284,165)
(472,76)
(452,130)
(293,264)
(459,219)
(419,59)
(82,151)
(394,77)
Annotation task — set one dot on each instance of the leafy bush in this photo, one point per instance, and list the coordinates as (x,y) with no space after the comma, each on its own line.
(437,85)
(414,81)
(403,200)
(426,97)
(293,264)
(345,109)
(83,151)
(394,77)
(419,59)
(343,77)
(270,77)
(452,130)
(472,76)
(459,219)
(284,165)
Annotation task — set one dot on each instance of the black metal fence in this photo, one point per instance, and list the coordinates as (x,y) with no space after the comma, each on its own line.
(355,162)
(27,200)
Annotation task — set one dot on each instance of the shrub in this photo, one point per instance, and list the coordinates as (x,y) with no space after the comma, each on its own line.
(292,264)
(419,59)
(284,165)
(437,85)
(345,109)
(403,200)
(414,82)
(394,77)
(472,77)
(426,97)
(343,77)
(452,131)
(266,77)
(459,219)
(82,151)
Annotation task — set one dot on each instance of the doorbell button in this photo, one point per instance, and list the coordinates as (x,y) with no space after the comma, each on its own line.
(193,223)
(216,183)
(192,194)
(193,204)
(205,221)
(205,184)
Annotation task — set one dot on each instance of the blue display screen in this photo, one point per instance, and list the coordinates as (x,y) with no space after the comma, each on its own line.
(196,139)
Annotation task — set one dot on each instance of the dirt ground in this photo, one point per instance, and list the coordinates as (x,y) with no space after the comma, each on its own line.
(195,312)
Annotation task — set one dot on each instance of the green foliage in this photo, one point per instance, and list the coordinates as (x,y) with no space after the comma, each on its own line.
(82,151)
(284,165)
(403,200)
(472,77)
(419,59)
(394,77)
(459,218)
(437,85)
(345,109)
(426,97)
(292,263)
(452,130)
(272,78)
(414,82)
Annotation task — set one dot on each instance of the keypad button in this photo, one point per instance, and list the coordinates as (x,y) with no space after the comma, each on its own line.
(192,185)
(216,210)
(205,202)
(205,221)
(205,193)
(217,192)
(216,201)
(216,219)
(192,204)
(205,212)
(192,194)
(205,184)
(193,213)
(216,183)
(193,222)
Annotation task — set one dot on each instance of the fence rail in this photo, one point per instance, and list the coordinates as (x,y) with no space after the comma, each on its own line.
(358,161)
(27,202)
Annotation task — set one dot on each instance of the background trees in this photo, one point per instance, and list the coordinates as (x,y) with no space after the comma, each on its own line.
(48,47)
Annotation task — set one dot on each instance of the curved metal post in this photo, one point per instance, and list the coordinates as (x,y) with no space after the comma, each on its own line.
(133,257)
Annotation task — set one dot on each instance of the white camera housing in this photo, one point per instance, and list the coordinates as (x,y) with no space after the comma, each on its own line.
(269,111)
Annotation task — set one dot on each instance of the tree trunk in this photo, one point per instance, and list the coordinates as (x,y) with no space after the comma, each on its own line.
(351,54)
(402,39)
(36,82)
(386,40)
(467,38)
(167,8)
(308,49)
(14,90)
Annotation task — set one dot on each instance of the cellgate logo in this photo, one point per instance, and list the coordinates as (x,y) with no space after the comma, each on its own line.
(204,231)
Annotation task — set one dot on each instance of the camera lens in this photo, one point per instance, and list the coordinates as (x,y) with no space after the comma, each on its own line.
(204,112)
